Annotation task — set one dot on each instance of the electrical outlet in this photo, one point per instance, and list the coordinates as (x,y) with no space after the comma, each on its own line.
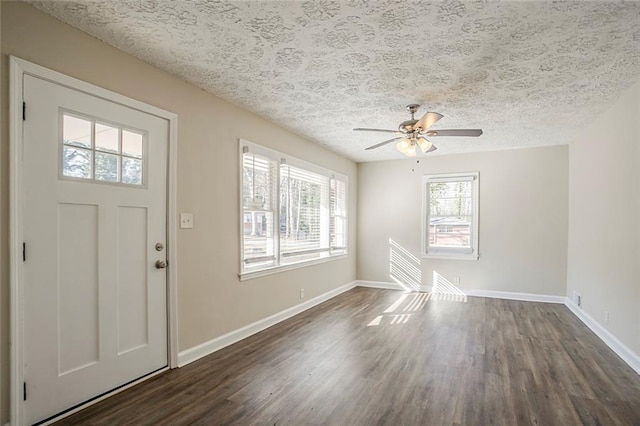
(302,293)
(456,281)
(606,317)
(186,220)
(578,298)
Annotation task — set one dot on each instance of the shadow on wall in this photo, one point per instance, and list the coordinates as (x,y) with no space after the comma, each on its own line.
(443,289)
(404,267)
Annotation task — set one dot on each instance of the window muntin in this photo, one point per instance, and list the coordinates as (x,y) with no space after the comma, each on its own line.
(101,152)
(305,202)
(450,215)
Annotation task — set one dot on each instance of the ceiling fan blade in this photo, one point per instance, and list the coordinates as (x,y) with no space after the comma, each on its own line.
(378,145)
(455,132)
(377,130)
(427,120)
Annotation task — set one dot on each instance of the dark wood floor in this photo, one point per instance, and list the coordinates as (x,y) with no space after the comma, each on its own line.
(374,356)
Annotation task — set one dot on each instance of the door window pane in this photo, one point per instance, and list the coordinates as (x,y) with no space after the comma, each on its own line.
(106,138)
(131,144)
(106,167)
(76,131)
(76,162)
(131,171)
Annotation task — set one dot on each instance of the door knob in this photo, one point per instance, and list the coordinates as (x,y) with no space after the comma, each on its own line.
(161,264)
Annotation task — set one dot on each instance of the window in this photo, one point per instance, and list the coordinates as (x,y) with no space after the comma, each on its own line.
(96,151)
(292,211)
(450,215)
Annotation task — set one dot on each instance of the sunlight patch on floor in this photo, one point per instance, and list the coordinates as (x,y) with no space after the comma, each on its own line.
(400,311)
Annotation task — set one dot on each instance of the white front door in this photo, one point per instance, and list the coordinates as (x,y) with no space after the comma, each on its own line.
(95,312)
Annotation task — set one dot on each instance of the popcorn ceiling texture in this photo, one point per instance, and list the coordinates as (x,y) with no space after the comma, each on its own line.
(529,73)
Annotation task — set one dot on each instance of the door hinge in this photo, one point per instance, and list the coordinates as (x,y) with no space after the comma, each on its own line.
(24,111)
(24,391)
(24,252)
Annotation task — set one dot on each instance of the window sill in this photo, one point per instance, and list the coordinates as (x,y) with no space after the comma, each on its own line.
(456,256)
(276,269)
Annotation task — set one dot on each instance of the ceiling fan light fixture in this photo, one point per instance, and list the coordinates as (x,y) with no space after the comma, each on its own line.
(415,130)
(424,144)
(403,146)
(411,152)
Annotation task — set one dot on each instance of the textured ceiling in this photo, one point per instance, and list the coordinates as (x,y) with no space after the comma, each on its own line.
(529,73)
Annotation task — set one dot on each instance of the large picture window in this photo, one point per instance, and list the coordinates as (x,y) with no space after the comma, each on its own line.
(450,215)
(292,211)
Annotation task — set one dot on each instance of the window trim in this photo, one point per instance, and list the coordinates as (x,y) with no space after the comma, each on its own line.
(294,162)
(451,253)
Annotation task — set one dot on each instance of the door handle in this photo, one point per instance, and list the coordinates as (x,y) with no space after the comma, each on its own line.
(161,264)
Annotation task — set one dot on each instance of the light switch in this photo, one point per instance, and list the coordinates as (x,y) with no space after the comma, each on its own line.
(186,220)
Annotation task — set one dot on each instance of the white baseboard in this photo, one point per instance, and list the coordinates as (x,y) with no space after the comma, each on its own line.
(526,297)
(627,355)
(388,286)
(379,284)
(192,354)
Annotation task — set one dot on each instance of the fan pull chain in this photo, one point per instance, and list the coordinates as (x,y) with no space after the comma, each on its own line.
(413,169)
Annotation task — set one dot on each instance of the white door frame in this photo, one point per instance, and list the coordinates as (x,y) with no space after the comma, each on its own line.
(19,68)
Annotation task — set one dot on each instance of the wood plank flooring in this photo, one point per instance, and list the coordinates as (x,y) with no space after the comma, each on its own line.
(385,357)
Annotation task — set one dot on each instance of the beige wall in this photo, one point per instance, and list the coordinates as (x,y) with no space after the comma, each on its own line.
(523,219)
(211,299)
(604,217)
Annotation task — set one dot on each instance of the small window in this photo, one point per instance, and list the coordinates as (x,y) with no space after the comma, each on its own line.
(101,152)
(450,215)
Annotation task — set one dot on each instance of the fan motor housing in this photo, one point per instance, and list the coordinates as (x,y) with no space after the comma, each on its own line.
(407,126)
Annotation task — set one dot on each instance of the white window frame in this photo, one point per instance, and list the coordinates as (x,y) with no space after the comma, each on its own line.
(450,252)
(282,158)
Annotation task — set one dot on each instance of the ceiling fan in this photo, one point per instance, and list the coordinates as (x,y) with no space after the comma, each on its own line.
(414,131)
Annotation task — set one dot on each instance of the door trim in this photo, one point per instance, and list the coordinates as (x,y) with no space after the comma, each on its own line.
(18,68)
